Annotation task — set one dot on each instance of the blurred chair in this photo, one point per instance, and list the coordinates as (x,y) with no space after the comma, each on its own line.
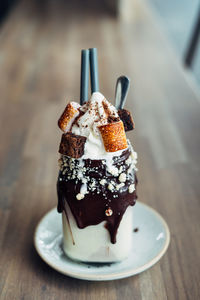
(190,53)
(113,6)
(5,6)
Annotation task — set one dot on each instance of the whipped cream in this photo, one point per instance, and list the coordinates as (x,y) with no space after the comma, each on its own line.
(96,112)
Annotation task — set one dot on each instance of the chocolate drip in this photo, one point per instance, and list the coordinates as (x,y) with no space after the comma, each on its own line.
(91,209)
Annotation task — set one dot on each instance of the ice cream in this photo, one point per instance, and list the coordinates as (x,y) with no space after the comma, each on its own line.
(97,182)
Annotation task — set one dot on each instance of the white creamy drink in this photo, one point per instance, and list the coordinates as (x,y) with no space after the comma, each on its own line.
(97,182)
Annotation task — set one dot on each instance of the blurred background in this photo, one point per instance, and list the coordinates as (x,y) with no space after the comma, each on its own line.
(179,20)
(156,44)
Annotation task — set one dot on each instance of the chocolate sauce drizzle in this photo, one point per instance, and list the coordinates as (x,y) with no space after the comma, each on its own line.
(91,209)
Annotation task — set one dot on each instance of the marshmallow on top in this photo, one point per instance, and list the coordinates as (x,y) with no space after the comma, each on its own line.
(95,113)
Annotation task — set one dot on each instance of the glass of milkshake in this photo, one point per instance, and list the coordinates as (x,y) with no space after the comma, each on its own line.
(97,182)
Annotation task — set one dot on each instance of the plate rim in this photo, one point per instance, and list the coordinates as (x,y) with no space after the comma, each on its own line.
(106,277)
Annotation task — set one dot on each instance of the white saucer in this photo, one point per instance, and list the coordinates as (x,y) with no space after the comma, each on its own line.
(150,243)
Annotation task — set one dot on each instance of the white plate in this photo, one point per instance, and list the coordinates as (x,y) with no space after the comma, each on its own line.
(150,243)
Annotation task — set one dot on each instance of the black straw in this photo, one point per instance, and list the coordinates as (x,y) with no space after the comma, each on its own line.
(84,76)
(94,70)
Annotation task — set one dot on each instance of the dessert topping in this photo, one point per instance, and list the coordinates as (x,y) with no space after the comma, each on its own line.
(119,186)
(122,177)
(80,196)
(131,188)
(108,212)
(102,181)
(68,116)
(127,119)
(114,137)
(93,178)
(95,112)
(111,187)
(72,145)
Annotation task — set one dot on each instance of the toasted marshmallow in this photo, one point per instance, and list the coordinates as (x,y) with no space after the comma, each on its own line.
(68,116)
(114,137)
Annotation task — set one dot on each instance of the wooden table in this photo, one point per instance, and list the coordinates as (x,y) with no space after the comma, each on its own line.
(40,71)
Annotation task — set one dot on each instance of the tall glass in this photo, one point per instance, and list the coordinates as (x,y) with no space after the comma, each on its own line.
(96,199)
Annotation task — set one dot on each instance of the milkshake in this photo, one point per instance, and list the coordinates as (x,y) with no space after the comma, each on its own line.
(97,182)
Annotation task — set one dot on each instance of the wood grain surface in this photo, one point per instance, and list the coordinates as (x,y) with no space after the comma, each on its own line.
(39,71)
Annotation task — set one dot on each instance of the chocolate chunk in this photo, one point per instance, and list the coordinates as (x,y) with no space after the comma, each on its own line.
(72,145)
(112,119)
(127,119)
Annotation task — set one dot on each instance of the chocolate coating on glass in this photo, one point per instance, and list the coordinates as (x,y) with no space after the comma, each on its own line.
(91,210)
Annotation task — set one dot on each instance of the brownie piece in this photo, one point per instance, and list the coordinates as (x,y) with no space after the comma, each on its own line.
(72,145)
(127,119)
